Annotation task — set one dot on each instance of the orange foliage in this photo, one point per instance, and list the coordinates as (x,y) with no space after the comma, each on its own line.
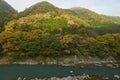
(66,40)
(67,51)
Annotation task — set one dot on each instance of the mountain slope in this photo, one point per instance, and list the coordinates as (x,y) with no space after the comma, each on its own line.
(93,18)
(113,18)
(42,7)
(5,6)
(7,13)
(98,23)
(45,30)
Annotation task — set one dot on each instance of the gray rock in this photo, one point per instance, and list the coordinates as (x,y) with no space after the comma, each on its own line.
(53,78)
(19,78)
(76,60)
(24,78)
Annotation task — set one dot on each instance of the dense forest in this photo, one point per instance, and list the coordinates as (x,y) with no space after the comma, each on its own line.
(46,30)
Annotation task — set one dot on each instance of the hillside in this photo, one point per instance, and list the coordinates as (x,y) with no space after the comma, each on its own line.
(100,24)
(7,13)
(95,20)
(42,7)
(5,6)
(114,18)
(45,30)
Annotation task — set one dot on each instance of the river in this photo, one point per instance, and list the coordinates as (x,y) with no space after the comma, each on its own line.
(12,72)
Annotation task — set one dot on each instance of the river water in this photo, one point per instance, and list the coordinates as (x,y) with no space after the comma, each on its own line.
(12,72)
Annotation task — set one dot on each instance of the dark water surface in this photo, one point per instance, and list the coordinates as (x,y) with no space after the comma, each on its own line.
(12,72)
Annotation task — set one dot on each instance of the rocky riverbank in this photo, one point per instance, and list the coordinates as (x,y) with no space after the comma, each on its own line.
(66,61)
(80,77)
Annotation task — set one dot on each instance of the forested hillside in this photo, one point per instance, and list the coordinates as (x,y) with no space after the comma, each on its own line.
(113,18)
(42,7)
(45,30)
(98,23)
(7,13)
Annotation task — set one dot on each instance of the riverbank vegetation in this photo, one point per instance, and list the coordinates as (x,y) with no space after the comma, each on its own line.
(54,32)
